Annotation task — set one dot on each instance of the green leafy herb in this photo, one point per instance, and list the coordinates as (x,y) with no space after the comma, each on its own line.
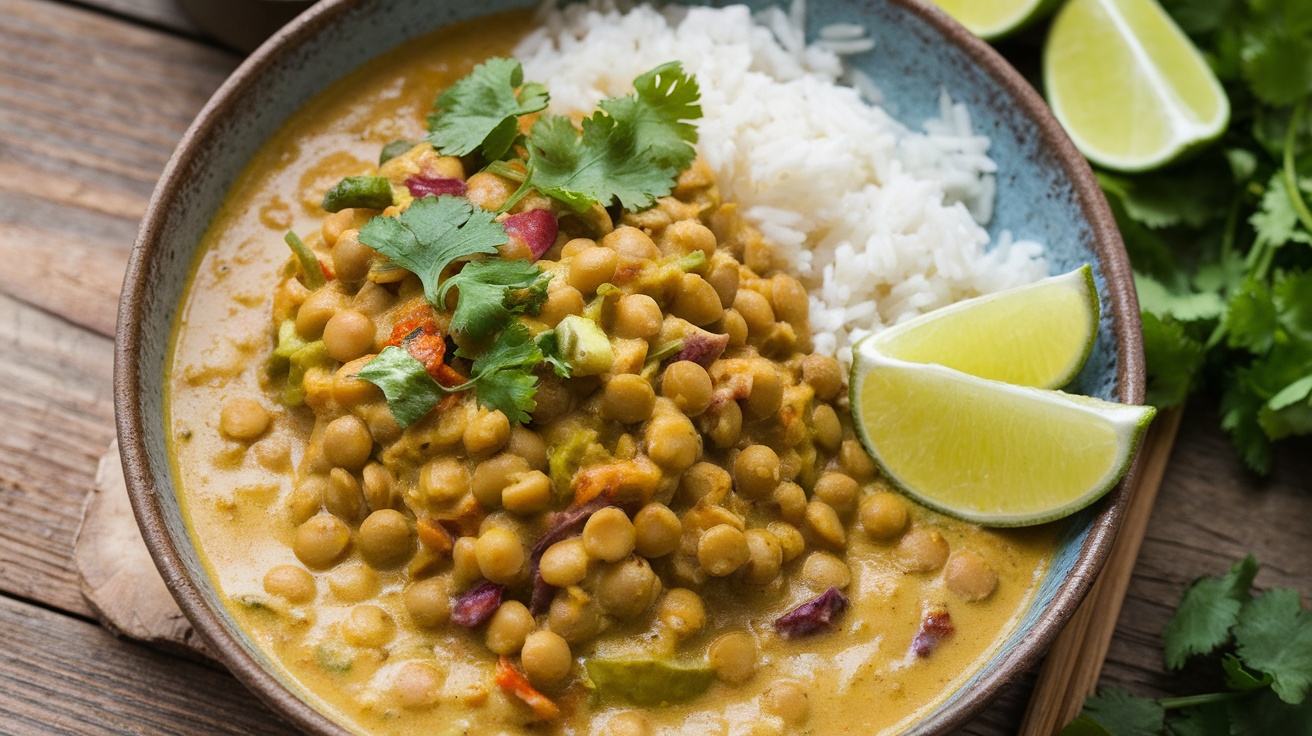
(492,292)
(1274,636)
(481,111)
(369,192)
(396,148)
(663,101)
(311,272)
(549,343)
(410,391)
(433,233)
(1206,613)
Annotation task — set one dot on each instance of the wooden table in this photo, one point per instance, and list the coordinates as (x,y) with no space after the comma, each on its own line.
(93,96)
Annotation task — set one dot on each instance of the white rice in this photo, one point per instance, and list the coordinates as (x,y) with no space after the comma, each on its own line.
(881,223)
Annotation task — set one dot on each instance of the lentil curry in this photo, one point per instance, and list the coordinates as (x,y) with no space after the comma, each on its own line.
(681,536)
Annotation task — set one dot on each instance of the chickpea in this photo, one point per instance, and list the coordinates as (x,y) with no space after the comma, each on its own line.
(838,490)
(351,258)
(828,431)
(968,575)
(791,542)
(574,616)
(553,399)
(723,424)
(632,243)
(767,392)
(347,443)
(349,390)
(608,535)
(688,385)
(787,700)
(306,498)
(755,310)
(823,374)
(377,486)
(766,557)
(682,612)
(561,303)
(592,268)
(291,583)
(368,626)
(637,316)
(823,522)
(500,555)
(316,310)
(855,462)
(428,602)
(529,493)
(444,480)
(733,325)
(657,531)
(791,500)
(756,472)
(353,583)
(790,301)
(722,549)
(546,658)
(372,300)
(321,540)
(493,475)
(823,571)
(575,246)
(733,657)
(489,191)
(704,479)
(564,563)
(508,628)
(626,724)
(685,236)
(488,431)
(386,539)
(451,425)
(379,421)
(337,223)
(464,561)
(922,550)
(348,335)
(342,496)
(696,301)
(529,445)
(627,588)
(673,443)
(417,685)
(627,398)
(723,277)
(884,515)
(243,419)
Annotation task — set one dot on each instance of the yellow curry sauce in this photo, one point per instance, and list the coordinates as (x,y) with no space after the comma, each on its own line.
(372,643)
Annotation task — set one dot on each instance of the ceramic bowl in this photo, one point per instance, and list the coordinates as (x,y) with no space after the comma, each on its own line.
(1045,192)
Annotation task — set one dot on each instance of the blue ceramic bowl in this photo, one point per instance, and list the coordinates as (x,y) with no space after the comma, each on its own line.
(1045,192)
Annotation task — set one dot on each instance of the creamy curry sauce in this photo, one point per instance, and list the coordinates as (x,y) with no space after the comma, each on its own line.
(861,677)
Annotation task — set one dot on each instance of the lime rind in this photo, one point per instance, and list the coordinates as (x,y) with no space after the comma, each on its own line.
(1128,422)
(1080,281)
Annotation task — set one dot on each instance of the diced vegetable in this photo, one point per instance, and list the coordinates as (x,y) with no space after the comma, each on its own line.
(476,605)
(813,617)
(703,348)
(934,628)
(536,228)
(368,192)
(396,148)
(585,346)
(649,682)
(435,186)
(565,458)
(312,274)
(332,659)
(509,679)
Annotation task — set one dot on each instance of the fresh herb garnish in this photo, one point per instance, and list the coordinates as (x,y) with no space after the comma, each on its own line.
(492,292)
(481,111)
(1258,649)
(431,234)
(410,391)
(369,192)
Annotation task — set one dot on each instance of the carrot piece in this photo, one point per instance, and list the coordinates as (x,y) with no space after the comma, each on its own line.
(509,679)
(418,333)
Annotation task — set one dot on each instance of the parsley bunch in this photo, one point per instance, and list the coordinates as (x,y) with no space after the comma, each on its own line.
(1258,648)
(1220,243)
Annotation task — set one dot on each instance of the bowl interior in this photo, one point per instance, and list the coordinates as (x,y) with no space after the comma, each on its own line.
(1044,193)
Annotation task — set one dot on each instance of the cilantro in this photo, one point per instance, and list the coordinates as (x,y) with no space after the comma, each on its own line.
(1174,360)
(549,343)
(433,233)
(1207,612)
(502,375)
(1274,635)
(481,111)
(492,292)
(410,391)
(1117,713)
(664,98)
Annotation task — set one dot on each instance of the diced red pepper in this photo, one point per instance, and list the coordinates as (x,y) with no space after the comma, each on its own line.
(417,332)
(327,270)
(509,679)
(537,229)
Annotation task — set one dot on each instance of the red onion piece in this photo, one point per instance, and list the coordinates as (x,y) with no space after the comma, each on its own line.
(703,348)
(814,616)
(436,186)
(561,526)
(934,628)
(536,228)
(477,604)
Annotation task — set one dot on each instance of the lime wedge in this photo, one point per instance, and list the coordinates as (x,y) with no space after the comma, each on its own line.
(986,451)
(1128,86)
(1035,335)
(994,19)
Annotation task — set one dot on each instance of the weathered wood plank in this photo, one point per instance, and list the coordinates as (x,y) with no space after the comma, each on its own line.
(90,109)
(166,14)
(61,675)
(58,414)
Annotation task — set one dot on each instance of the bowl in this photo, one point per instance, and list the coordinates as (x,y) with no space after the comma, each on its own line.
(1045,192)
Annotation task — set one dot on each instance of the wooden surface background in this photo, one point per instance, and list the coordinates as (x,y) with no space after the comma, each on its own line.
(93,96)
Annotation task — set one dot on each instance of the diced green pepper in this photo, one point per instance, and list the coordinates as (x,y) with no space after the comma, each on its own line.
(585,346)
(395,148)
(649,682)
(311,272)
(565,459)
(332,659)
(312,355)
(369,192)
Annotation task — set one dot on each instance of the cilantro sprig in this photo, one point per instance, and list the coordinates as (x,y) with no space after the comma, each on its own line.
(1258,649)
(481,111)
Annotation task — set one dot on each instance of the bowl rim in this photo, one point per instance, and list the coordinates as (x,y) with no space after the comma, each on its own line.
(130,419)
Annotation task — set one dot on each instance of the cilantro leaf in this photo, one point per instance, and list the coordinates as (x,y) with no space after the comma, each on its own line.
(410,391)
(1251,319)
(486,292)
(1238,678)
(1274,635)
(1277,64)
(431,234)
(1239,410)
(664,98)
(502,376)
(1184,307)
(1117,713)
(549,343)
(1289,412)
(1275,221)
(481,111)
(599,164)
(1207,612)
(1211,719)
(1182,195)
(1174,360)
(1264,714)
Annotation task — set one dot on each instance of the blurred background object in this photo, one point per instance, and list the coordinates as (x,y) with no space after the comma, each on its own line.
(243,24)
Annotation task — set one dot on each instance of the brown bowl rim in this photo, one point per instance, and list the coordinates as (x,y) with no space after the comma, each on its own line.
(142,488)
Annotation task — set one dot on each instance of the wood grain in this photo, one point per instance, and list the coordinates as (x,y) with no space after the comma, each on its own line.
(164,14)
